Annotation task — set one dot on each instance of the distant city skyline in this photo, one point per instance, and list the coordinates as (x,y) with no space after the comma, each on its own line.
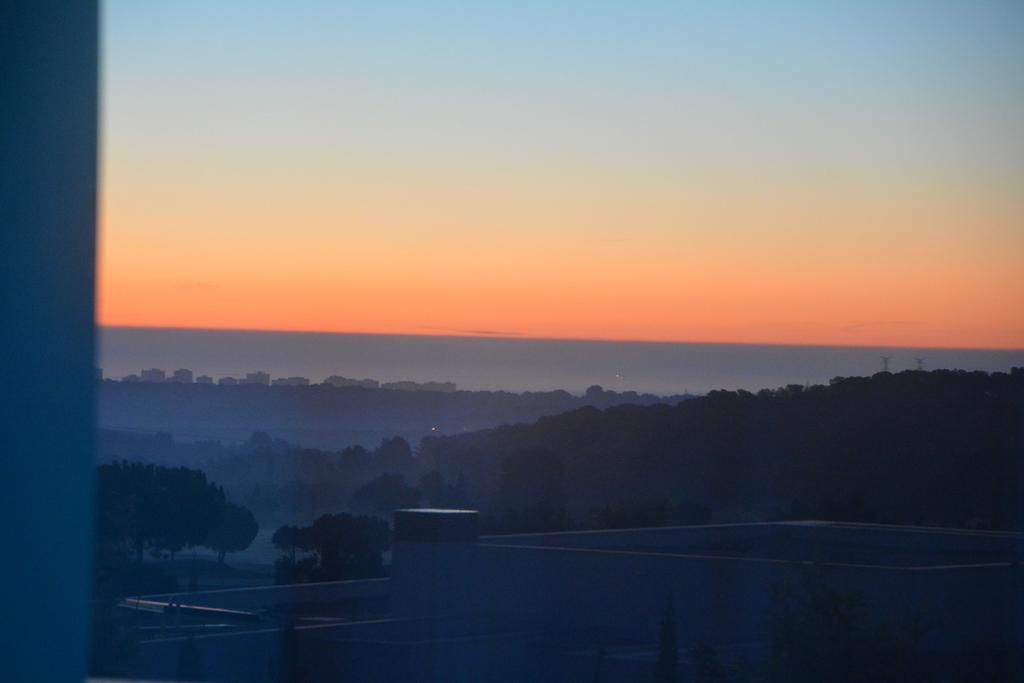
(263,378)
(515,364)
(785,172)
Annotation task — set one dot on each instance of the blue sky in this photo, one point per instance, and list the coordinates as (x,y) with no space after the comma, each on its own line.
(335,116)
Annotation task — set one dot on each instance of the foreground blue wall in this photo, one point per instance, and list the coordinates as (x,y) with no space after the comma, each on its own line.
(48,125)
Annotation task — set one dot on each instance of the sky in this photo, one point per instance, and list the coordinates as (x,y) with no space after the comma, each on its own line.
(816,172)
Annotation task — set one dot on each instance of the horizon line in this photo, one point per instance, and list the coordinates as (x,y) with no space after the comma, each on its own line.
(525,337)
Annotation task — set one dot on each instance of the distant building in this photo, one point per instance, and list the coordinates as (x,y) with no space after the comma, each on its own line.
(344,382)
(131,378)
(446,387)
(290,382)
(204,379)
(182,376)
(227,381)
(153,375)
(258,377)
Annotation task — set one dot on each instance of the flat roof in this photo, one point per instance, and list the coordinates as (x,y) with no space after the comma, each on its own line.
(845,544)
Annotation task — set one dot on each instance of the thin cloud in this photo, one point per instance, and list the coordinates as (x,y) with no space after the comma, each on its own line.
(876,324)
(480,333)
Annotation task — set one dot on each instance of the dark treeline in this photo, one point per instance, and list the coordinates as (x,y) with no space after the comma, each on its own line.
(323,416)
(937,447)
(280,482)
(147,512)
(941,447)
(934,448)
(334,547)
(284,484)
(144,508)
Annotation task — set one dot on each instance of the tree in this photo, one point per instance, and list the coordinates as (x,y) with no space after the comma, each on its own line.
(385,494)
(286,538)
(235,532)
(287,568)
(440,494)
(341,546)
(185,508)
(347,546)
(394,455)
(160,508)
(541,517)
(742,454)
(533,476)
(668,656)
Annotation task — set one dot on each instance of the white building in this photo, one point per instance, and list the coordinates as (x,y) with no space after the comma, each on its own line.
(346,382)
(290,382)
(258,377)
(182,376)
(153,375)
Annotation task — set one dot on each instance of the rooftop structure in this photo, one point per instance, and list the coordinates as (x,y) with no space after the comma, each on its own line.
(153,375)
(464,607)
(290,382)
(346,382)
(258,377)
(446,387)
(182,376)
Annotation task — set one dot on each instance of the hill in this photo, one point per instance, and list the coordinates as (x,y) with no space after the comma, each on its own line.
(941,447)
(328,417)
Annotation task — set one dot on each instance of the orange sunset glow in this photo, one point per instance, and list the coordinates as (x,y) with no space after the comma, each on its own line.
(861,213)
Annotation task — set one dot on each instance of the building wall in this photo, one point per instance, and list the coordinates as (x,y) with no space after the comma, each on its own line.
(621,594)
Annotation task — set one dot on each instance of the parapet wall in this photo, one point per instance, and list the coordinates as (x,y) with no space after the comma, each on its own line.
(615,584)
(270,597)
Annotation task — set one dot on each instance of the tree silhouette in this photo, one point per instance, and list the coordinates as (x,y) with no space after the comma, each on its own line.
(286,538)
(144,506)
(235,532)
(341,546)
(853,450)
(394,455)
(667,670)
(384,495)
(440,494)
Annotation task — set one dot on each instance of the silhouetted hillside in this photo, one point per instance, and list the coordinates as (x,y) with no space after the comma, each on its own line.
(916,447)
(279,481)
(938,447)
(323,416)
